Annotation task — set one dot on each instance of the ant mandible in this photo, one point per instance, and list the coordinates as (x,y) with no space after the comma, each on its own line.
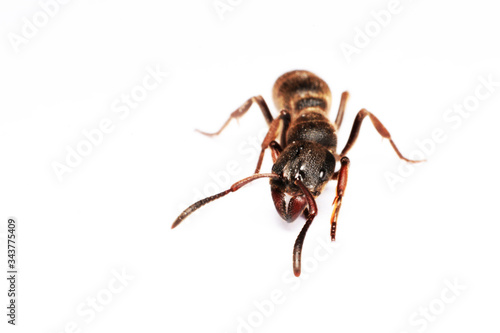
(305,157)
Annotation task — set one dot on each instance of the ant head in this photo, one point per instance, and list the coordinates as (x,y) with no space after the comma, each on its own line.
(311,163)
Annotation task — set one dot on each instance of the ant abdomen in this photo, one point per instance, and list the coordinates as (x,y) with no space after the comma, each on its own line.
(305,156)
(298,90)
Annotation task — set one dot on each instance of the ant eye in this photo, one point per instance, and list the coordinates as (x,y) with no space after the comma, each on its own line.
(322,174)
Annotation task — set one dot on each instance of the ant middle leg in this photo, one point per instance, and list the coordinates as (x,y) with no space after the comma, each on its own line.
(380,129)
(239,112)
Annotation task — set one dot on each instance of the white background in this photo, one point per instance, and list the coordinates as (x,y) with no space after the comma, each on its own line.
(397,246)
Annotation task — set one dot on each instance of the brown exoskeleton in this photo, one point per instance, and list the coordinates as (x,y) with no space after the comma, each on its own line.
(305,157)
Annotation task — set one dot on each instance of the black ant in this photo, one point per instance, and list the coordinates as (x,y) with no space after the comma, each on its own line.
(305,157)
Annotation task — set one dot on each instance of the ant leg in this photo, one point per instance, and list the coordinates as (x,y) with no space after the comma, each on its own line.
(242,110)
(272,134)
(275,150)
(340,113)
(378,126)
(341,185)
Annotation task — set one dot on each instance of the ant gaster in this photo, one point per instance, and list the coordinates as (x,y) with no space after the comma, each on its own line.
(305,157)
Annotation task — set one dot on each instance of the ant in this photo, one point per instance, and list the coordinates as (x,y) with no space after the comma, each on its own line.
(305,157)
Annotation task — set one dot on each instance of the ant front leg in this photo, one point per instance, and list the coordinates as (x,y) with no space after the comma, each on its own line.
(269,141)
(380,129)
(242,110)
(341,177)
(275,150)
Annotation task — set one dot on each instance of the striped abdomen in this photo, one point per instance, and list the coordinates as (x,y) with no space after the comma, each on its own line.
(308,99)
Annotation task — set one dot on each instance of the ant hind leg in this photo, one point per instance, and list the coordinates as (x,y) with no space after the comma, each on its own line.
(239,112)
(340,113)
